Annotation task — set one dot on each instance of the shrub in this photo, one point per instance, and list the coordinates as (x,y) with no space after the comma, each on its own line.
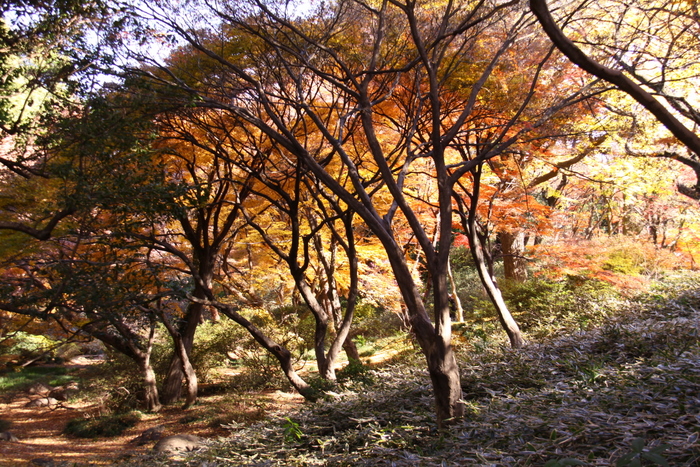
(213,343)
(27,345)
(106,426)
(372,321)
(300,321)
(629,261)
(355,371)
(68,351)
(574,303)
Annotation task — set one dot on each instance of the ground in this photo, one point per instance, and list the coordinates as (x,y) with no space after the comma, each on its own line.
(40,429)
(616,381)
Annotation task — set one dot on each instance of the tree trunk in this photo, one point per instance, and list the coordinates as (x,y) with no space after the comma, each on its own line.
(470,226)
(459,311)
(509,325)
(351,350)
(191,383)
(434,340)
(172,387)
(149,376)
(282,355)
(513,249)
(120,342)
(444,374)
(150,386)
(321,319)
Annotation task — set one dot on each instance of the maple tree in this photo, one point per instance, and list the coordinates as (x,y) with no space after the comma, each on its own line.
(652,68)
(86,275)
(226,189)
(308,241)
(82,284)
(307,82)
(312,149)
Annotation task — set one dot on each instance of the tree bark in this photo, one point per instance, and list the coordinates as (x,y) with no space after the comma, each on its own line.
(321,319)
(469,225)
(172,387)
(351,350)
(434,340)
(459,310)
(151,387)
(191,383)
(149,376)
(121,343)
(507,322)
(513,249)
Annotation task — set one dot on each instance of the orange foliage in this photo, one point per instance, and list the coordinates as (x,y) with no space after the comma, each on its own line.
(624,262)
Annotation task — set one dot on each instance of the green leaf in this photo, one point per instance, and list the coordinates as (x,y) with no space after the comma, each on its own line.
(626,459)
(655,458)
(638,445)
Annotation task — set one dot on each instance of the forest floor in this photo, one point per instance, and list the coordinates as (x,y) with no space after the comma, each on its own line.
(40,430)
(623,391)
(41,437)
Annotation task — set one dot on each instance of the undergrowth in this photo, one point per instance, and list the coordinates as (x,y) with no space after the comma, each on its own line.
(620,393)
(102,427)
(12,380)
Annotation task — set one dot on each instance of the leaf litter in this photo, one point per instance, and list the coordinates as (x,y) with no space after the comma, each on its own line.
(626,393)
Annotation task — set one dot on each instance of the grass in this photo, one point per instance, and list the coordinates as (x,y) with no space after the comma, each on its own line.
(18,380)
(622,387)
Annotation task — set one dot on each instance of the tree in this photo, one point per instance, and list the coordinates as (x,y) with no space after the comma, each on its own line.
(49,57)
(335,72)
(219,190)
(90,272)
(653,69)
(313,267)
(82,285)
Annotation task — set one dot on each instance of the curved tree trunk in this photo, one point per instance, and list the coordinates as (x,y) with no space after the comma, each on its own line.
(150,386)
(509,325)
(282,355)
(434,340)
(507,322)
(122,342)
(172,387)
(321,320)
(149,376)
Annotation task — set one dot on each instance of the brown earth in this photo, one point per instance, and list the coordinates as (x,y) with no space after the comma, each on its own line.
(40,429)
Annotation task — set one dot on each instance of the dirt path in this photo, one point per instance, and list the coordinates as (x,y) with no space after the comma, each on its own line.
(39,430)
